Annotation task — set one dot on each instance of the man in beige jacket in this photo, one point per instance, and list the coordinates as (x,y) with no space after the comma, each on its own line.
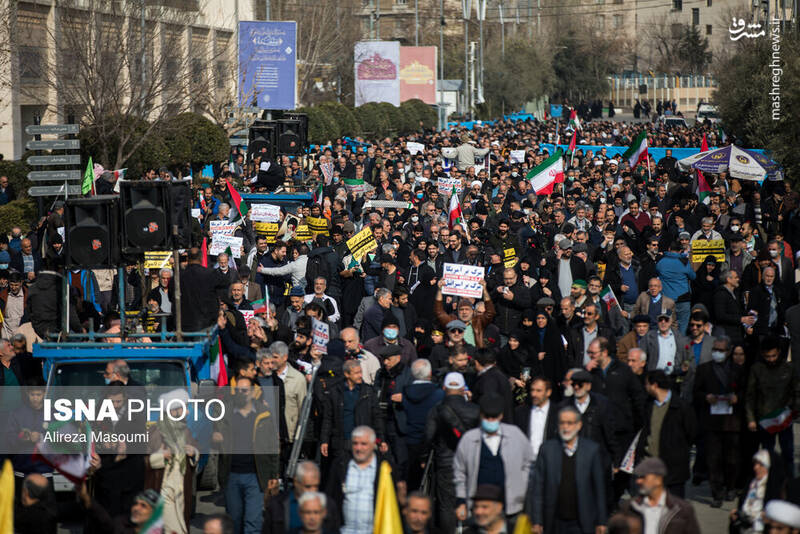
(294,385)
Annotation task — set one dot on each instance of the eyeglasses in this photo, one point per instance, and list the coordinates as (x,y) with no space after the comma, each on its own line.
(457,330)
(695,325)
(663,319)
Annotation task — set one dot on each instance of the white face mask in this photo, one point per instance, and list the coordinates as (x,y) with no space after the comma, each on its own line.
(735,228)
(718,356)
(569,391)
(773,253)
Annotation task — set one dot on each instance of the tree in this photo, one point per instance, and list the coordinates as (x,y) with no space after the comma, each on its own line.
(746,98)
(693,52)
(192,138)
(121,80)
(532,77)
(582,63)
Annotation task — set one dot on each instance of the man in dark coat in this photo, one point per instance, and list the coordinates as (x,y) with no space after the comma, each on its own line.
(567,487)
(35,510)
(511,300)
(201,289)
(728,308)
(446,423)
(281,512)
(669,430)
(492,380)
(577,353)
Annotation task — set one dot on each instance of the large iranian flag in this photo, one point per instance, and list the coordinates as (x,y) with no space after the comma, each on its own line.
(548,173)
(776,420)
(218,372)
(71,459)
(456,217)
(574,121)
(637,151)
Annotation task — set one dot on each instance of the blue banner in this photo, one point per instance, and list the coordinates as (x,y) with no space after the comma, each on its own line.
(655,152)
(267,64)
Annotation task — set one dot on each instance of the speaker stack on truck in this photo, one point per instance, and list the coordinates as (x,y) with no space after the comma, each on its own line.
(286,135)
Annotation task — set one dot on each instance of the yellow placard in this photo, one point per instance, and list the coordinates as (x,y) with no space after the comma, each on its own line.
(269,230)
(509,257)
(157,259)
(303,233)
(362,243)
(704,247)
(317,225)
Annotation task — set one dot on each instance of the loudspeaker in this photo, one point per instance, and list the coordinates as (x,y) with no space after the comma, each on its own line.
(145,216)
(643,89)
(303,131)
(261,139)
(289,142)
(92,233)
(181,212)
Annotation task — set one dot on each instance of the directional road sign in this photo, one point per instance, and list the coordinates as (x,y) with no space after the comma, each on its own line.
(54,160)
(59,176)
(54,144)
(52,129)
(53,190)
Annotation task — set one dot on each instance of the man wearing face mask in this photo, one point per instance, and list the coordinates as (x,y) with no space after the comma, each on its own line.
(390,335)
(718,397)
(497,453)
(736,255)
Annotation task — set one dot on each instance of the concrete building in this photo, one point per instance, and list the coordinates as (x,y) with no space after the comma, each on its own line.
(200,37)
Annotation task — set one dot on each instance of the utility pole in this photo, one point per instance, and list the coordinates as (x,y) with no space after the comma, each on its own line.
(144,59)
(378,20)
(481,15)
(502,32)
(266,12)
(442,106)
(538,17)
(466,6)
(372,19)
(530,21)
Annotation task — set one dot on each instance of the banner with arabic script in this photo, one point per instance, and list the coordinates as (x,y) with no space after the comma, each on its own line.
(377,72)
(268,64)
(418,73)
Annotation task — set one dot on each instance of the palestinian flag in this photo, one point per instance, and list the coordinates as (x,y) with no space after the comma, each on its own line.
(573,143)
(548,173)
(155,525)
(87,185)
(216,359)
(776,420)
(638,150)
(259,306)
(609,298)
(703,189)
(721,135)
(236,198)
(574,121)
(71,459)
(318,195)
(456,217)
(354,185)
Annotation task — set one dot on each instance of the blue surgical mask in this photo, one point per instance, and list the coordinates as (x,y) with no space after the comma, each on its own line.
(107,380)
(490,427)
(718,356)
(419,195)
(336,179)
(390,333)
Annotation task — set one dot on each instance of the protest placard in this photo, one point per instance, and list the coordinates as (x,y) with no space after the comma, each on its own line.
(320,335)
(462,280)
(267,229)
(157,259)
(396,204)
(509,258)
(196,212)
(355,185)
(445,185)
(265,213)
(703,247)
(415,148)
(221,228)
(222,242)
(362,243)
(517,156)
(247,314)
(317,225)
(303,233)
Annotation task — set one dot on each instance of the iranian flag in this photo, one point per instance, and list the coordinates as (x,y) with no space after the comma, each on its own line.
(318,196)
(637,151)
(456,217)
(703,189)
(574,121)
(609,298)
(204,253)
(119,174)
(776,420)
(155,525)
(548,173)
(218,372)
(71,459)
(259,306)
(573,143)
(236,198)
(354,185)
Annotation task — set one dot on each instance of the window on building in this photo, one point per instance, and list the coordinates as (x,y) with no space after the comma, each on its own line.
(708,3)
(198,70)
(30,62)
(677,5)
(617,21)
(676,29)
(601,22)
(400,2)
(708,29)
(695,16)
(221,74)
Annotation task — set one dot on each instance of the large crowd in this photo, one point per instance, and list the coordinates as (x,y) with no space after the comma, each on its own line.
(604,368)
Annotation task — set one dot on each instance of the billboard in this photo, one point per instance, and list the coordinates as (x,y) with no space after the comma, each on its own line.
(377,66)
(268,64)
(418,73)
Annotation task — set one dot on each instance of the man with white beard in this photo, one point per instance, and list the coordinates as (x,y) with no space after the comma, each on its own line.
(567,492)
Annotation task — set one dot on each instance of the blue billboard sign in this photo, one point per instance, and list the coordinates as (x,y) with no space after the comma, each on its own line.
(267,64)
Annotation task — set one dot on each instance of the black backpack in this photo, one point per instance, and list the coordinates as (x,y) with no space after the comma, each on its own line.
(316,267)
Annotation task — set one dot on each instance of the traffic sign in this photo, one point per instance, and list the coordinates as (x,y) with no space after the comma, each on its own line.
(62,176)
(53,190)
(54,144)
(51,129)
(54,160)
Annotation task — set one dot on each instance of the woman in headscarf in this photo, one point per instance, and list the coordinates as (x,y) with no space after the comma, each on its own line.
(766,484)
(514,361)
(707,281)
(547,348)
(421,337)
(171,465)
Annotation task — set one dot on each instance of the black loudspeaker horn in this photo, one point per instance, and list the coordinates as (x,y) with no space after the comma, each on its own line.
(181,212)
(145,216)
(92,233)
(293,134)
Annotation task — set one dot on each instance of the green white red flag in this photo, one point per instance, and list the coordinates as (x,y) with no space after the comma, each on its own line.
(703,189)
(574,121)
(236,198)
(71,459)
(548,173)
(456,216)
(218,370)
(776,420)
(318,195)
(609,298)
(637,151)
